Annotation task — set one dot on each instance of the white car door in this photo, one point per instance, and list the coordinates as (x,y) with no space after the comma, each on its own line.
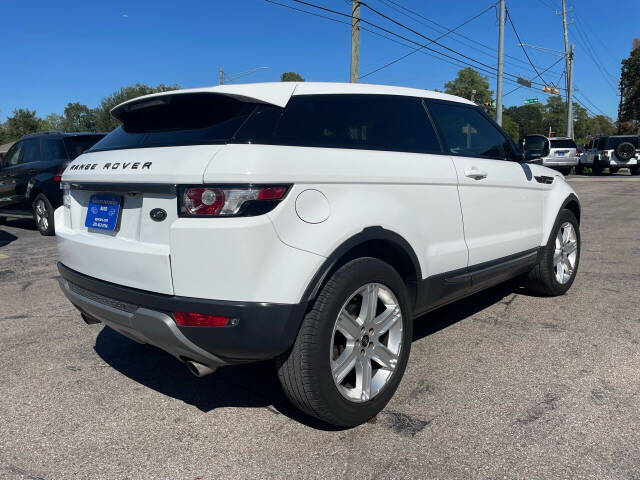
(502,202)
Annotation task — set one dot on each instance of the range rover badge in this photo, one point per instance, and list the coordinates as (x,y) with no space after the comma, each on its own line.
(158,214)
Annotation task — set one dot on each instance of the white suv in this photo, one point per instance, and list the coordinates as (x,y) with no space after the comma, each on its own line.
(614,153)
(559,153)
(308,223)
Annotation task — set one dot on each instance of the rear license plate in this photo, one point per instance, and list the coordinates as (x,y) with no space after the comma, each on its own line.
(560,154)
(103,212)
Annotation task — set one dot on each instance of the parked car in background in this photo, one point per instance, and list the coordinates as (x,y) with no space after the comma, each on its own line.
(559,153)
(612,152)
(30,175)
(309,223)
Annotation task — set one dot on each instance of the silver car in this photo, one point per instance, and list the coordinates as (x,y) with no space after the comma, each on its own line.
(559,153)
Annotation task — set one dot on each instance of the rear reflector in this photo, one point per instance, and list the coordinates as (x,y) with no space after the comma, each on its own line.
(58,176)
(199,320)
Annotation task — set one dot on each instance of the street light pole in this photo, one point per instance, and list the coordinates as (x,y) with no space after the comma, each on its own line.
(500,63)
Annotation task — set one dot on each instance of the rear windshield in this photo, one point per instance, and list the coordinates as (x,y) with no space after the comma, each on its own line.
(536,145)
(563,144)
(186,119)
(615,141)
(374,122)
(76,145)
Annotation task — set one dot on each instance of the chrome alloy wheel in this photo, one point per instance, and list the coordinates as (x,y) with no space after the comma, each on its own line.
(42,219)
(366,342)
(566,253)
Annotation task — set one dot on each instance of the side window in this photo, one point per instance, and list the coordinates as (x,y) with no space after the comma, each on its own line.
(53,149)
(13,155)
(31,151)
(467,132)
(372,122)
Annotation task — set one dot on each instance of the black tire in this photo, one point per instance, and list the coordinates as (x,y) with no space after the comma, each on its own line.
(625,151)
(596,169)
(44,219)
(305,371)
(634,170)
(565,170)
(3,220)
(579,169)
(542,278)
(613,171)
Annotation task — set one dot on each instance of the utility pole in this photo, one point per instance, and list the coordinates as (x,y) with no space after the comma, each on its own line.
(221,74)
(568,68)
(500,63)
(355,41)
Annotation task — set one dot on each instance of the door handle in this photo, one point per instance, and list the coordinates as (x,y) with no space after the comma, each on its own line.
(476,174)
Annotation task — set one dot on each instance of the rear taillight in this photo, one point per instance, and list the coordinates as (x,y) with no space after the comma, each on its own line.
(58,176)
(230,201)
(200,320)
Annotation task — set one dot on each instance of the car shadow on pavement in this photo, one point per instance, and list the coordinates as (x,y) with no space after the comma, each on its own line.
(6,238)
(22,223)
(253,385)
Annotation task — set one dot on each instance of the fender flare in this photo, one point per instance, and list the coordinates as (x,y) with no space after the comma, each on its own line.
(366,235)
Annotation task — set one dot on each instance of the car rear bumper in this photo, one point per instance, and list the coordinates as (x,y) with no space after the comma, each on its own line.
(262,331)
(561,162)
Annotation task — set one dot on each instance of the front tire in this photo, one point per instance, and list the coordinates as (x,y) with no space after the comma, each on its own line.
(352,347)
(558,262)
(43,215)
(634,170)
(3,220)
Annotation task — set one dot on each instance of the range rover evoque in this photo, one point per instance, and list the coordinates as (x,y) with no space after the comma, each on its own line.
(309,223)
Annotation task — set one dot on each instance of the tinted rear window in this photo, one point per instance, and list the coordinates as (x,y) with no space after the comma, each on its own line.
(77,145)
(536,145)
(370,122)
(185,119)
(563,144)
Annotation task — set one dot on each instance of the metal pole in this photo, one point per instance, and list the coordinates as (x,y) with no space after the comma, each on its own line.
(570,95)
(500,63)
(355,41)
(221,75)
(567,63)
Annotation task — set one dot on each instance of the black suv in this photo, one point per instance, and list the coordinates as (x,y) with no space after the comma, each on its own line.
(30,175)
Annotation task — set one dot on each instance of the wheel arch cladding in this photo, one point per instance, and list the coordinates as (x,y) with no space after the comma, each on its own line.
(555,205)
(573,205)
(375,242)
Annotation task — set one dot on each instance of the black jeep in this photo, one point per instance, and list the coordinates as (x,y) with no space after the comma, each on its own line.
(30,175)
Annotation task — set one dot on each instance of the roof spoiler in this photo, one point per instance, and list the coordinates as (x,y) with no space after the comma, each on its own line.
(272,93)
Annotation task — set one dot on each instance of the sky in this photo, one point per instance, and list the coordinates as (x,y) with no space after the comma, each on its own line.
(79,51)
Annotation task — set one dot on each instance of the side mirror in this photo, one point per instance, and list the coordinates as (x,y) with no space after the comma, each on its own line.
(532,153)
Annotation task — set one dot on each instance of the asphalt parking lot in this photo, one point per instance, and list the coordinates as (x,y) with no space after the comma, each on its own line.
(501,385)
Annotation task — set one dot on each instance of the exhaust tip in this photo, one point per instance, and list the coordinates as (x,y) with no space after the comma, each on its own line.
(199,370)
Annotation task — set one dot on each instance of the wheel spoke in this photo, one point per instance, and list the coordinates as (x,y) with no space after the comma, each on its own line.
(557,257)
(385,357)
(363,377)
(369,303)
(344,364)
(348,325)
(571,247)
(565,235)
(387,319)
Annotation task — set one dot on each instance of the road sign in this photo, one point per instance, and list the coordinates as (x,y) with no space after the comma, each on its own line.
(529,101)
(523,81)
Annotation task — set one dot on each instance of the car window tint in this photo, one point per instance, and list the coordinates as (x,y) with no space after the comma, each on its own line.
(536,145)
(370,122)
(31,151)
(53,149)
(13,155)
(77,144)
(467,132)
(562,143)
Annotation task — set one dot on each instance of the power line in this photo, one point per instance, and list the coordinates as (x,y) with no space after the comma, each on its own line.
(544,71)
(412,14)
(420,48)
(524,50)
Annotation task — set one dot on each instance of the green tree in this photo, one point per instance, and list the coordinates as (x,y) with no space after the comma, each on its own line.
(78,118)
(468,80)
(291,77)
(104,122)
(53,121)
(511,127)
(22,122)
(555,116)
(529,118)
(629,113)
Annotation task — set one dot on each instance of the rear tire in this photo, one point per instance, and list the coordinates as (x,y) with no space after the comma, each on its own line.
(556,269)
(596,169)
(579,169)
(613,171)
(3,220)
(634,170)
(565,170)
(324,371)
(43,215)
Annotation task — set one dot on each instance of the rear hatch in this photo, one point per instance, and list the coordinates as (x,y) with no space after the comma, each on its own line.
(120,199)
(562,148)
